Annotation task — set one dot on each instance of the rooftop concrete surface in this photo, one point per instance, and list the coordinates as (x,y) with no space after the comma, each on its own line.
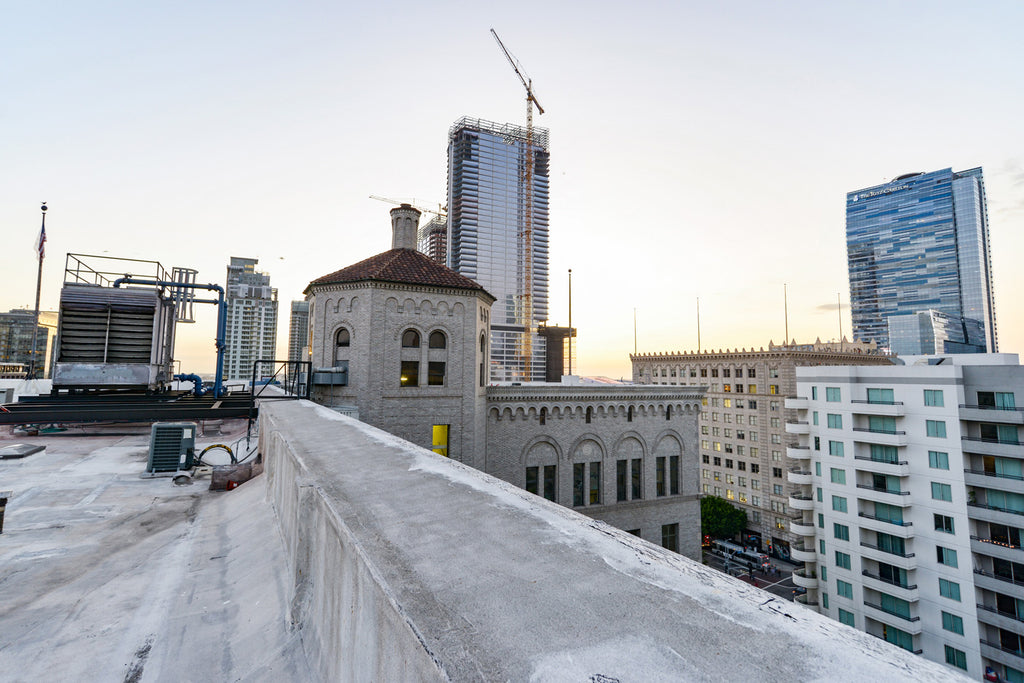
(493,583)
(109,576)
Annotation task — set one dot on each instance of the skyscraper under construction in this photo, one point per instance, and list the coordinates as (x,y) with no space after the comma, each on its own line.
(498,235)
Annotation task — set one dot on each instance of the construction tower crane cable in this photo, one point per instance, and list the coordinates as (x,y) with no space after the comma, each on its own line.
(526,300)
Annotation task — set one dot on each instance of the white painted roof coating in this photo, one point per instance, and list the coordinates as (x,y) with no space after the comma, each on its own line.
(108,576)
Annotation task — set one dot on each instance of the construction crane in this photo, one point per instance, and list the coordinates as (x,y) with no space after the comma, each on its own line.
(441,211)
(527,235)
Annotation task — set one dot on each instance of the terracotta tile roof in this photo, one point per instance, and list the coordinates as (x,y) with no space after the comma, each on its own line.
(402,266)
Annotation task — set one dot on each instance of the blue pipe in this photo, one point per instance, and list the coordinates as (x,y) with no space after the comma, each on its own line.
(197,383)
(222,319)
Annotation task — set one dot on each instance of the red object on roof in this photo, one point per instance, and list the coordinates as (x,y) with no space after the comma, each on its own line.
(401,266)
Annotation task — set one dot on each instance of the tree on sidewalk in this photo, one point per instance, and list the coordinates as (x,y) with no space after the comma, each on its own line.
(720,519)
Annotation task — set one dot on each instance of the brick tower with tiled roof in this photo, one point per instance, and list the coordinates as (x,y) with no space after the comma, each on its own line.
(405,340)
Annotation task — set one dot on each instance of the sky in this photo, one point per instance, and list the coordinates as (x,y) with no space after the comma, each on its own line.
(698,150)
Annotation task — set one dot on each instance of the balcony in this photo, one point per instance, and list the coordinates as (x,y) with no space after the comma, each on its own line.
(896,468)
(805,579)
(801,554)
(900,529)
(806,600)
(1004,551)
(884,437)
(991,480)
(1008,620)
(993,581)
(801,528)
(799,501)
(1012,416)
(901,560)
(913,623)
(996,646)
(992,513)
(882,495)
(799,476)
(798,452)
(985,446)
(889,584)
(887,409)
(798,428)
(797,403)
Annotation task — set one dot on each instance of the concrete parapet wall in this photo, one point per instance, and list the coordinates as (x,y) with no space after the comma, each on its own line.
(410,566)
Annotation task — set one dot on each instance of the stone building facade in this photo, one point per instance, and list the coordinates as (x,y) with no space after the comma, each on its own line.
(621,454)
(743,443)
(404,339)
(403,342)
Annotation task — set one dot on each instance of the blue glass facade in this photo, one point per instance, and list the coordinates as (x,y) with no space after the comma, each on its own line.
(487,206)
(919,244)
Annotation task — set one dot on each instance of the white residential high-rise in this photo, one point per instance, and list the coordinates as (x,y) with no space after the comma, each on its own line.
(298,331)
(909,495)
(251,330)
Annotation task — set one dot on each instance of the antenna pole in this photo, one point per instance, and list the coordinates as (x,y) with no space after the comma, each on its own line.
(570,321)
(698,324)
(785,309)
(32,366)
(634,331)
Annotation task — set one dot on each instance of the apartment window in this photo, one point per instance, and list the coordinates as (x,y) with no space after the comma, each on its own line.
(670,537)
(814,393)
(844,589)
(835,448)
(938,460)
(949,589)
(841,532)
(659,476)
(590,413)
(578,481)
(935,428)
(834,421)
(817,469)
(728,463)
(550,481)
(752,404)
(776,438)
(837,476)
(752,420)
(952,623)
(821,525)
(821,546)
(754,467)
(832,394)
(814,418)
(884,396)
(741,465)
(756,502)
(773,388)
(777,489)
(743,481)
(773,406)
(703,372)
(846,618)
(717,459)
(595,483)
(842,560)
(704,473)
(673,475)
(933,397)
(410,376)
(775,422)
(838,503)
(773,373)
(817,443)
(942,491)
(705,458)
(777,472)
(727,388)
(944,524)
(946,556)
(439,439)
(435,373)
(957,658)
(884,454)
(824,573)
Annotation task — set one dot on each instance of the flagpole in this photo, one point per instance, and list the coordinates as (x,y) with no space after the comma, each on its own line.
(39,288)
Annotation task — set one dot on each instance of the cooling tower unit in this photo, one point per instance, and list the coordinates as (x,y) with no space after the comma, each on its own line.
(172,447)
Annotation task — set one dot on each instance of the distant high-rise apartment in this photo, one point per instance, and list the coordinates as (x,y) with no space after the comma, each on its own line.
(744,448)
(908,491)
(491,242)
(16,329)
(919,260)
(251,332)
(298,331)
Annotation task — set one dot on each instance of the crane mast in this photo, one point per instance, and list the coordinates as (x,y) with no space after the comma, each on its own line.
(526,299)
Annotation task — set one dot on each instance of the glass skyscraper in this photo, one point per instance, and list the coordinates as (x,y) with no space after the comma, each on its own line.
(918,246)
(488,198)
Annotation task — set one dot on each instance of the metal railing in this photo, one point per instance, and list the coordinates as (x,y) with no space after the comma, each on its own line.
(892,612)
(891,582)
(889,432)
(995,474)
(876,403)
(994,507)
(293,377)
(884,550)
(1008,615)
(887,521)
(895,492)
(880,461)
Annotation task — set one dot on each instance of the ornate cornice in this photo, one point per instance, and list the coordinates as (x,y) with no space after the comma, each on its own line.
(558,393)
(397,286)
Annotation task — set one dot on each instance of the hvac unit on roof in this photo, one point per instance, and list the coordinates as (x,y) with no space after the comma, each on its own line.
(172,447)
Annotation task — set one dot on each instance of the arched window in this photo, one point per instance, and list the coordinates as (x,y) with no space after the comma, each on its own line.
(590,412)
(344,337)
(410,339)
(437,340)
(543,415)
(629,414)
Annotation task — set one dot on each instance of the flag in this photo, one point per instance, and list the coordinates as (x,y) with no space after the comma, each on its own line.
(41,243)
